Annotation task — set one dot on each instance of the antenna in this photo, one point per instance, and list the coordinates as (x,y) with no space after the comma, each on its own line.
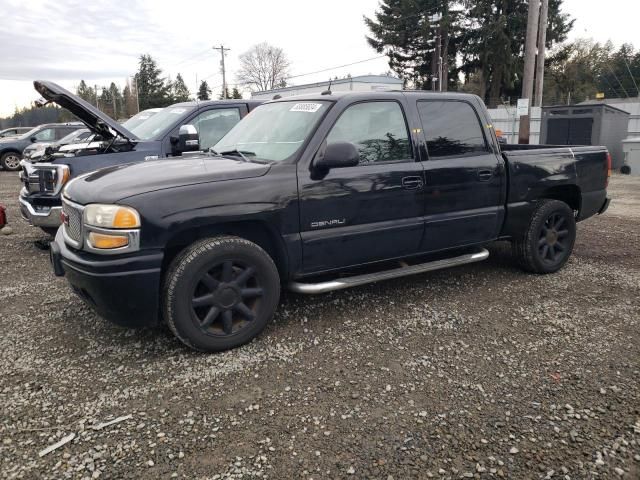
(328,90)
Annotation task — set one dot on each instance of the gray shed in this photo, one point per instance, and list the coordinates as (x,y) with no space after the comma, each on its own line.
(592,124)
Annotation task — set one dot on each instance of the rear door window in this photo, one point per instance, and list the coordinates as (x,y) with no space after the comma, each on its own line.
(451,129)
(46,135)
(377,129)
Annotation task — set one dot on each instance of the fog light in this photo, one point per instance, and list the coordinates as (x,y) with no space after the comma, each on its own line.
(104,241)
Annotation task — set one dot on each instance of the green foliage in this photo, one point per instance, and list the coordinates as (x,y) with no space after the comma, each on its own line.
(577,71)
(222,94)
(235,93)
(86,93)
(204,92)
(403,30)
(33,116)
(179,90)
(153,90)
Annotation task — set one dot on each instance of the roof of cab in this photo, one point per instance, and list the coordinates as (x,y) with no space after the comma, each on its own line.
(230,101)
(377,94)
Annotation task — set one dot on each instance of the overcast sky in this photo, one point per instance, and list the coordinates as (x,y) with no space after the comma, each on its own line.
(100,41)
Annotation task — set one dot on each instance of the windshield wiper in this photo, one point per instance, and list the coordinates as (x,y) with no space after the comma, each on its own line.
(238,153)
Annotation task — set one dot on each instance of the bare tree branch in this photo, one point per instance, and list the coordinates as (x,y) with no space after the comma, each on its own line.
(263,67)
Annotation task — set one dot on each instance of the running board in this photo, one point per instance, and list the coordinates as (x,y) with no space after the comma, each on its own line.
(323,287)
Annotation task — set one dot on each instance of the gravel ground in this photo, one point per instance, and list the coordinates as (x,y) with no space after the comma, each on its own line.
(476,372)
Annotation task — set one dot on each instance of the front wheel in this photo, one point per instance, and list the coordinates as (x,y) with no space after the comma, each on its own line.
(548,241)
(220,293)
(10,161)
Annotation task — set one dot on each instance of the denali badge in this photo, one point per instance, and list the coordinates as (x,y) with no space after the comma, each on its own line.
(328,223)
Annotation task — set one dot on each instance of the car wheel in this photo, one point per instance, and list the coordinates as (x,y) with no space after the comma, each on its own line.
(50,230)
(10,161)
(548,242)
(220,293)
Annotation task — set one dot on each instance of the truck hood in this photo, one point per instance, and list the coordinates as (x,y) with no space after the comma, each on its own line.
(97,121)
(113,184)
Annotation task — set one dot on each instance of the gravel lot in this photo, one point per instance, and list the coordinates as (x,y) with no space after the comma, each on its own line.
(477,372)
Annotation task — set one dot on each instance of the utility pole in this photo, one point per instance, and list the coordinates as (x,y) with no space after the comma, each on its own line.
(224,77)
(113,97)
(95,89)
(135,84)
(435,19)
(542,38)
(529,67)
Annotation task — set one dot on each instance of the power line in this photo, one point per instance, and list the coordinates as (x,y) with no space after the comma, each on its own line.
(617,79)
(631,75)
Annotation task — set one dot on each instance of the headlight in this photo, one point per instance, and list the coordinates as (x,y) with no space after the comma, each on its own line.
(111,216)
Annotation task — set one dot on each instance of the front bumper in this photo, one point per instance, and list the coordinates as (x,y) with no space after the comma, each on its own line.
(42,216)
(125,291)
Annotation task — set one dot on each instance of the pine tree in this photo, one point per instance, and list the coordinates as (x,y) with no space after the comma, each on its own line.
(235,93)
(406,31)
(222,94)
(204,92)
(179,90)
(492,45)
(153,91)
(85,92)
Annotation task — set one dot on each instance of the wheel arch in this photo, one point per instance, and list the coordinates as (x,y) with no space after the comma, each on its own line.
(569,194)
(256,231)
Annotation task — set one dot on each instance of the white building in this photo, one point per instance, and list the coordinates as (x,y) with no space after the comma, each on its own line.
(362,83)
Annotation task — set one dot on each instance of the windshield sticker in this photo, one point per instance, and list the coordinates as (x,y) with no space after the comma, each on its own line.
(144,117)
(306,107)
(177,110)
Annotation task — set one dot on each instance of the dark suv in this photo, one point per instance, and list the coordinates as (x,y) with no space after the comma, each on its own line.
(11,148)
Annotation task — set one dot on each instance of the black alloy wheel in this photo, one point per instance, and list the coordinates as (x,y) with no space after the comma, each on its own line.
(220,293)
(554,239)
(226,298)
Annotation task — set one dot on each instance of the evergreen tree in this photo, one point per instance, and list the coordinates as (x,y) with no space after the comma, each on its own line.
(86,93)
(492,45)
(235,93)
(204,92)
(179,90)
(222,96)
(152,89)
(407,32)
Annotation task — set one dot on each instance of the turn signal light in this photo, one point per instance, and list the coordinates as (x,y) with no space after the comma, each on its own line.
(125,218)
(609,166)
(104,241)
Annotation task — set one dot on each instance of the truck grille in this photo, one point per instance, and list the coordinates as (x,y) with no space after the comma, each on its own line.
(73,222)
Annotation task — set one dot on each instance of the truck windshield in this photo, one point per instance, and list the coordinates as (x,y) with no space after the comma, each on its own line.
(159,123)
(273,131)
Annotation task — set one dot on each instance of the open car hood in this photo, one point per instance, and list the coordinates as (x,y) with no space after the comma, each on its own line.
(97,121)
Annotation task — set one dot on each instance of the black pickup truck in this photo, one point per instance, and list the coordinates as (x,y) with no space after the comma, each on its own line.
(317,193)
(158,136)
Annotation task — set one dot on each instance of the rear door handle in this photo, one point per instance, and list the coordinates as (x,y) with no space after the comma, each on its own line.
(484,174)
(411,183)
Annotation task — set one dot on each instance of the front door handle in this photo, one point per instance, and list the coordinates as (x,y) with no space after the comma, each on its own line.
(412,183)
(485,174)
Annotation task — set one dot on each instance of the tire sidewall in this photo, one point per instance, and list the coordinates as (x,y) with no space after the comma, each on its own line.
(3,161)
(182,281)
(554,207)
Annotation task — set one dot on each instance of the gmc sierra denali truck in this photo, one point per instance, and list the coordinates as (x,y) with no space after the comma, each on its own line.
(317,193)
(159,135)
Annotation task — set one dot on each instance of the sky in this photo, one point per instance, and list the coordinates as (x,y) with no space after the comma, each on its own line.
(101,41)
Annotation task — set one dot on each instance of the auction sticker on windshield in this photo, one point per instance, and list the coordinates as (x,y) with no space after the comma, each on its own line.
(177,110)
(306,107)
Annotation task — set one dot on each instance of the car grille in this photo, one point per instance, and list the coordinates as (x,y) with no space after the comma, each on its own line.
(73,222)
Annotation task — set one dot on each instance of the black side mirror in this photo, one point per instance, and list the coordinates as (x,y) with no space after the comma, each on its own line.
(337,155)
(188,140)
(33,139)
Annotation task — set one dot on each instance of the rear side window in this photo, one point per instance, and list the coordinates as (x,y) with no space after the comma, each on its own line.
(377,129)
(451,129)
(212,125)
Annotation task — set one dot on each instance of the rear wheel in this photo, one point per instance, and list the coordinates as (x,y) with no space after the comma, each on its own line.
(220,293)
(10,161)
(548,242)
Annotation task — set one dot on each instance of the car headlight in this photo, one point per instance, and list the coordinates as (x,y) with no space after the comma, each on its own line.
(111,216)
(111,229)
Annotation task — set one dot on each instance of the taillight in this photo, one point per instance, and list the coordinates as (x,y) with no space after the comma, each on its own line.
(609,164)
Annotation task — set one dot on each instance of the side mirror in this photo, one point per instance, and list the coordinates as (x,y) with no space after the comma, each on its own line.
(337,155)
(33,139)
(188,140)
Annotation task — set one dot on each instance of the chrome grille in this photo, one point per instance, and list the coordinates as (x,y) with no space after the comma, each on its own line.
(73,222)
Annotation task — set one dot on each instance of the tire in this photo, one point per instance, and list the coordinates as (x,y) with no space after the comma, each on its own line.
(220,293)
(10,161)
(548,241)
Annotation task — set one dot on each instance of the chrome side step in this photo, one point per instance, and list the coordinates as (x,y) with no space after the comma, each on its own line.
(323,287)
